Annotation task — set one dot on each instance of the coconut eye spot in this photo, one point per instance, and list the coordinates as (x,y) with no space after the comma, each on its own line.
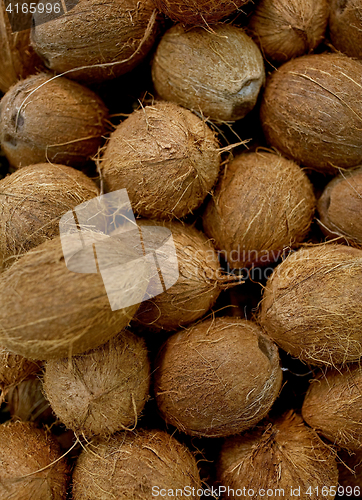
(249,89)
(9,139)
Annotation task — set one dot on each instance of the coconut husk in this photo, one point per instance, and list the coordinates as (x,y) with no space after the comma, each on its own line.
(350,473)
(13,370)
(345,26)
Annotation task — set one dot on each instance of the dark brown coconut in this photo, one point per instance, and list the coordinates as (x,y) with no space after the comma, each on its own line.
(116,34)
(312,305)
(26,402)
(340,207)
(218,74)
(350,474)
(129,465)
(32,201)
(14,369)
(284,30)
(333,406)
(284,458)
(312,111)
(263,204)
(345,26)
(59,121)
(166,157)
(217,378)
(24,450)
(102,391)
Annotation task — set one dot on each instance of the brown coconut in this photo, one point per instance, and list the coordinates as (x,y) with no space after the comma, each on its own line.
(263,204)
(32,201)
(350,474)
(345,26)
(333,406)
(217,378)
(132,465)
(284,30)
(102,391)
(25,450)
(166,157)
(26,402)
(217,73)
(312,305)
(340,206)
(57,120)
(13,370)
(93,33)
(312,111)
(283,458)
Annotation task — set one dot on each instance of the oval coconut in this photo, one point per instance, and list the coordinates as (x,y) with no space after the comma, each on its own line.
(166,157)
(312,111)
(102,391)
(263,204)
(345,26)
(333,406)
(217,73)
(24,450)
(57,120)
(284,30)
(26,402)
(217,378)
(93,33)
(13,370)
(130,465)
(284,457)
(32,201)
(340,206)
(312,305)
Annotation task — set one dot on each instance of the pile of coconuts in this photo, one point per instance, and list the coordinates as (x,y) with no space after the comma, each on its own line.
(181,251)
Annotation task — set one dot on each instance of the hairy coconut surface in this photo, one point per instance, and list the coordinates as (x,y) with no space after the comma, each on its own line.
(217,73)
(350,474)
(290,29)
(333,406)
(26,402)
(13,370)
(51,120)
(166,157)
(282,455)
(102,391)
(25,450)
(312,305)
(340,206)
(32,201)
(217,378)
(118,34)
(345,26)
(263,204)
(312,111)
(130,465)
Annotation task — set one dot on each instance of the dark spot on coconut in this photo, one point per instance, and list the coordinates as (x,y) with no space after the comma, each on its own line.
(10,140)
(328,202)
(341,5)
(17,119)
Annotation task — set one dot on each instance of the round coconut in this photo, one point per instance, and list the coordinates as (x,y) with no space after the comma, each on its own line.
(133,466)
(107,38)
(32,201)
(311,111)
(13,370)
(217,73)
(340,205)
(56,120)
(284,30)
(166,157)
(333,406)
(102,391)
(345,26)
(48,311)
(312,305)
(283,458)
(263,204)
(350,474)
(217,378)
(26,402)
(30,464)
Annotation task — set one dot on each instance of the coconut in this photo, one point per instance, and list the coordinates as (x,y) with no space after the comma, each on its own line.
(30,464)
(345,26)
(32,201)
(166,157)
(311,111)
(217,73)
(283,458)
(26,402)
(290,29)
(135,466)
(350,474)
(217,378)
(14,369)
(56,120)
(109,38)
(312,305)
(340,205)
(333,406)
(263,204)
(102,391)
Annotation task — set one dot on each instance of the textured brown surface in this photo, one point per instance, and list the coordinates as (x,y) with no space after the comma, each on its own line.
(345,26)
(350,472)
(26,402)
(14,369)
